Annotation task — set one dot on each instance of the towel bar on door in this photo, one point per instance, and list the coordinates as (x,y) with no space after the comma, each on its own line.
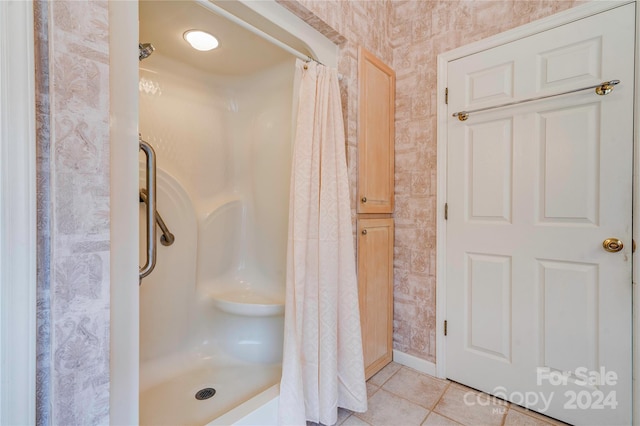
(602,89)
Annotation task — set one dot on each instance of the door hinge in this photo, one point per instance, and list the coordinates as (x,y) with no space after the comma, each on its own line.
(445,327)
(446,211)
(446,96)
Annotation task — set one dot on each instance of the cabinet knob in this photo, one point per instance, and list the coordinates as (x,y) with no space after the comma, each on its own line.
(364,199)
(364,232)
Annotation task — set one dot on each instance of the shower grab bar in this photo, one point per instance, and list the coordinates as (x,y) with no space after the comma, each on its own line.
(151,208)
(167,238)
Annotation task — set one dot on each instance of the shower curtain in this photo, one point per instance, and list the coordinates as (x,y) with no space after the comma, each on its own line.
(322,366)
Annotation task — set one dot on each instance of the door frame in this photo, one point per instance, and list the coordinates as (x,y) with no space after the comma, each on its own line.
(562,18)
(17,214)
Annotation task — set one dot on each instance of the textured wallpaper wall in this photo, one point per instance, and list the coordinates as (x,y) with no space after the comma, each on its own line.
(72,54)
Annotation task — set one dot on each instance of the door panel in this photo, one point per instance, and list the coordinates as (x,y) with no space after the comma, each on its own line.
(489,297)
(571,62)
(570,331)
(533,190)
(573,159)
(490,147)
(490,84)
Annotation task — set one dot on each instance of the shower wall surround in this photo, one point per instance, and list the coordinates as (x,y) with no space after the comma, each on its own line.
(408,35)
(72,60)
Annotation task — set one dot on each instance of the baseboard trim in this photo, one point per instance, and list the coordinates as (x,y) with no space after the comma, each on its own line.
(414,362)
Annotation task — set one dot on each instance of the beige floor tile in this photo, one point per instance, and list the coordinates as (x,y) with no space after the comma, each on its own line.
(371,389)
(354,421)
(387,409)
(486,396)
(464,406)
(419,388)
(342,415)
(436,419)
(517,418)
(384,374)
(467,388)
(537,415)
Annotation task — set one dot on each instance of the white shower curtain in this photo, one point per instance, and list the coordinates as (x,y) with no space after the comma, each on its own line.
(322,366)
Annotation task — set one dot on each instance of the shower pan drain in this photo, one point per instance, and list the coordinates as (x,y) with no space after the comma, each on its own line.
(205,393)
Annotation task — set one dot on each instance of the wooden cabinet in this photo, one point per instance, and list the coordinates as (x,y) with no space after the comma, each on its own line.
(375,287)
(376,133)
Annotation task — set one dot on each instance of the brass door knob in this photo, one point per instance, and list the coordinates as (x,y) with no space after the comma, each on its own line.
(612,245)
(364,232)
(364,199)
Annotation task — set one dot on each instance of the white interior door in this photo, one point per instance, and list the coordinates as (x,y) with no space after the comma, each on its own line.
(536,308)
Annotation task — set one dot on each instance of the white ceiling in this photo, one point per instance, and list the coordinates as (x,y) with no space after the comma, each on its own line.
(162,23)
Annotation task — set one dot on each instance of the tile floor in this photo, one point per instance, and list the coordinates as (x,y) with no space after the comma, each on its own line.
(401,396)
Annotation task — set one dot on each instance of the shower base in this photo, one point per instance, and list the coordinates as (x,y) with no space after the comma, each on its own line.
(173,401)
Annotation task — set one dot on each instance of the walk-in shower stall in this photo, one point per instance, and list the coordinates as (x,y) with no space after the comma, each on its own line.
(221,124)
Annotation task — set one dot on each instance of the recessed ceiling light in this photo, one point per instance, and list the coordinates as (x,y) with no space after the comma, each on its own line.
(200,40)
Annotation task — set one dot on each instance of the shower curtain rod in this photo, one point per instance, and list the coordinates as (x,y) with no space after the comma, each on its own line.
(233,18)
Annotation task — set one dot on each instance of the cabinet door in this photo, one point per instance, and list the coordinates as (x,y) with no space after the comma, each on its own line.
(375,285)
(376,133)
